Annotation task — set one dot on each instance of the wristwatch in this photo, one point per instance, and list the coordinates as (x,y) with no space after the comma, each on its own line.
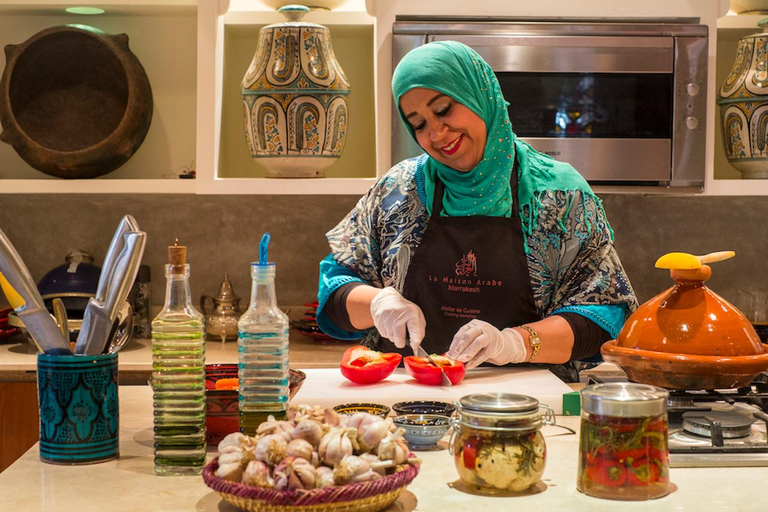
(535,340)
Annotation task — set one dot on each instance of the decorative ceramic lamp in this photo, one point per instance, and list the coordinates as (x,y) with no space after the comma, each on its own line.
(743,101)
(688,337)
(295,99)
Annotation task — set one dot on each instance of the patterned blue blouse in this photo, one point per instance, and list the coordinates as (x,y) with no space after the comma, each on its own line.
(572,262)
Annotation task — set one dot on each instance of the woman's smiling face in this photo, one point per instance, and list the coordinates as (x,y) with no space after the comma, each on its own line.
(447,130)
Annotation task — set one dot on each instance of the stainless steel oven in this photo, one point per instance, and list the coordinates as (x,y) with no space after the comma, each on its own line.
(623,101)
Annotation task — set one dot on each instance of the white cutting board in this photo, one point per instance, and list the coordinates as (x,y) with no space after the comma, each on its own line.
(328,387)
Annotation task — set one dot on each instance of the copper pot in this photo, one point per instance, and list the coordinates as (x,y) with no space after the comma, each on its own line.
(688,337)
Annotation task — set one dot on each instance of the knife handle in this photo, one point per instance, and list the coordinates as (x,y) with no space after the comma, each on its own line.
(127,224)
(125,270)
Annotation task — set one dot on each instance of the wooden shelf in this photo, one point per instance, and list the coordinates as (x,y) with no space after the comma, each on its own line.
(288,186)
(98,186)
(742,22)
(112,7)
(737,187)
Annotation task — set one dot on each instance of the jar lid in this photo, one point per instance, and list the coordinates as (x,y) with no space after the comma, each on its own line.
(499,402)
(624,399)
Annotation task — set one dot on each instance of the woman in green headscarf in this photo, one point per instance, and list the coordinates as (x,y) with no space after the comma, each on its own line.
(482,247)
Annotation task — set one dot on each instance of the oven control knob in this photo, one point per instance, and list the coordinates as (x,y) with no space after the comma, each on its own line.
(693,89)
(691,122)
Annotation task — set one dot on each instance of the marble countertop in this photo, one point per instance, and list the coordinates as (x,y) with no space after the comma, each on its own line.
(18,361)
(129,483)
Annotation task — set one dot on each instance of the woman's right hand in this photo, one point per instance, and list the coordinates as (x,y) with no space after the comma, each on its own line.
(393,314)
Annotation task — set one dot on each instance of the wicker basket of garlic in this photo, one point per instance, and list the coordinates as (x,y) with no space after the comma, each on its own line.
(315,460)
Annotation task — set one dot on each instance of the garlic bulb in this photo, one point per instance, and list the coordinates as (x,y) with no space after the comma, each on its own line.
(331,417)
(231,442)
(370,433)
(373,460)
(335,445)
(324,477)
(300,412)
(271,449)
(257,473)
(295,411)
(317,413)
(309,430)
(393,447)
(353,469)
(300,448)
(232,472)
(294,473)
(273,426)
(356,419)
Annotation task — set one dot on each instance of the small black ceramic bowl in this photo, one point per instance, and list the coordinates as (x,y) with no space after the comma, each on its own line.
(424,407)
(377,409)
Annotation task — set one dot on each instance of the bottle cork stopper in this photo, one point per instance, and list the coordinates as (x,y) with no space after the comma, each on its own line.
(177,257)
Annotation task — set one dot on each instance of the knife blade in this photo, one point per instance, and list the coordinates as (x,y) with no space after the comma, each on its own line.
(446,380)
(94,335)
(22,294)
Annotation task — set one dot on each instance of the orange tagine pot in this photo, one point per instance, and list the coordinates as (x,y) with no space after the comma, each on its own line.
(688,337)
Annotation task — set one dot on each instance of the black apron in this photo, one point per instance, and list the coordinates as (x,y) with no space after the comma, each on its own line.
(466,268)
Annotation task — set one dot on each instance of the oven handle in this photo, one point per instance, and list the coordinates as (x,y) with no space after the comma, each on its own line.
(563,54)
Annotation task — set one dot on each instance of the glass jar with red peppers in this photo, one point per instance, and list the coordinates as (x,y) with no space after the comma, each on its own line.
(623,442)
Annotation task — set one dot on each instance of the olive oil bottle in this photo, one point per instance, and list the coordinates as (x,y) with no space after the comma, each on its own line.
(263,349)
(178,375)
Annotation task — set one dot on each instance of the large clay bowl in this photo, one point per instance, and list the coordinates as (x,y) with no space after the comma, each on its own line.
(222,411)
(685,371)
(75,102)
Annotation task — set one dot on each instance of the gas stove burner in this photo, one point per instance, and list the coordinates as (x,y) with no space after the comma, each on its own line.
(732,424)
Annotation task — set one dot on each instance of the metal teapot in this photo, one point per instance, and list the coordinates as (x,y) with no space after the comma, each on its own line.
(221,321)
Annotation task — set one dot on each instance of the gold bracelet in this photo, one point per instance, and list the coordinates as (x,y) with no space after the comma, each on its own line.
(535,340)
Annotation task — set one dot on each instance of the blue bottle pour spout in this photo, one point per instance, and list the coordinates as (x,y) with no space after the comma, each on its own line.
(264,249)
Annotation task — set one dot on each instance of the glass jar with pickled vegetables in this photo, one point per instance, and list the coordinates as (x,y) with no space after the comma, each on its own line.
(496,443)
(623,447)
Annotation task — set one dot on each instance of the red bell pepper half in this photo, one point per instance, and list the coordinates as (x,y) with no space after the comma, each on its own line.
(362,365)
(425,372)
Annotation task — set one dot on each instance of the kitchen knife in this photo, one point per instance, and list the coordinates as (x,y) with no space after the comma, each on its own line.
(22,294)
(60,313)
(127,224)
(94,337)
(446,380)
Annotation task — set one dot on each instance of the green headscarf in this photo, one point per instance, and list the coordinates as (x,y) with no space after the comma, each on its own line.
(456,70)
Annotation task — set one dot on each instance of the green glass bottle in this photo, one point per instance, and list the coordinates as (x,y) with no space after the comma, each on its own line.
(178,375)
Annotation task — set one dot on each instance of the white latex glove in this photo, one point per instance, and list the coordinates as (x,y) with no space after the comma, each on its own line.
(478,341)
(393,314)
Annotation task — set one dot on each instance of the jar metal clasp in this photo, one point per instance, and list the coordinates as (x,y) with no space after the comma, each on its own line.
(548,417)
(455,428)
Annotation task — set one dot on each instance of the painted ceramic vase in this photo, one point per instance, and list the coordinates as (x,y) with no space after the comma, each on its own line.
(743,101)
(295,99)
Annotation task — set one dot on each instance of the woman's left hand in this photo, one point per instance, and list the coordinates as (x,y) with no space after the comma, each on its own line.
(477,341)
